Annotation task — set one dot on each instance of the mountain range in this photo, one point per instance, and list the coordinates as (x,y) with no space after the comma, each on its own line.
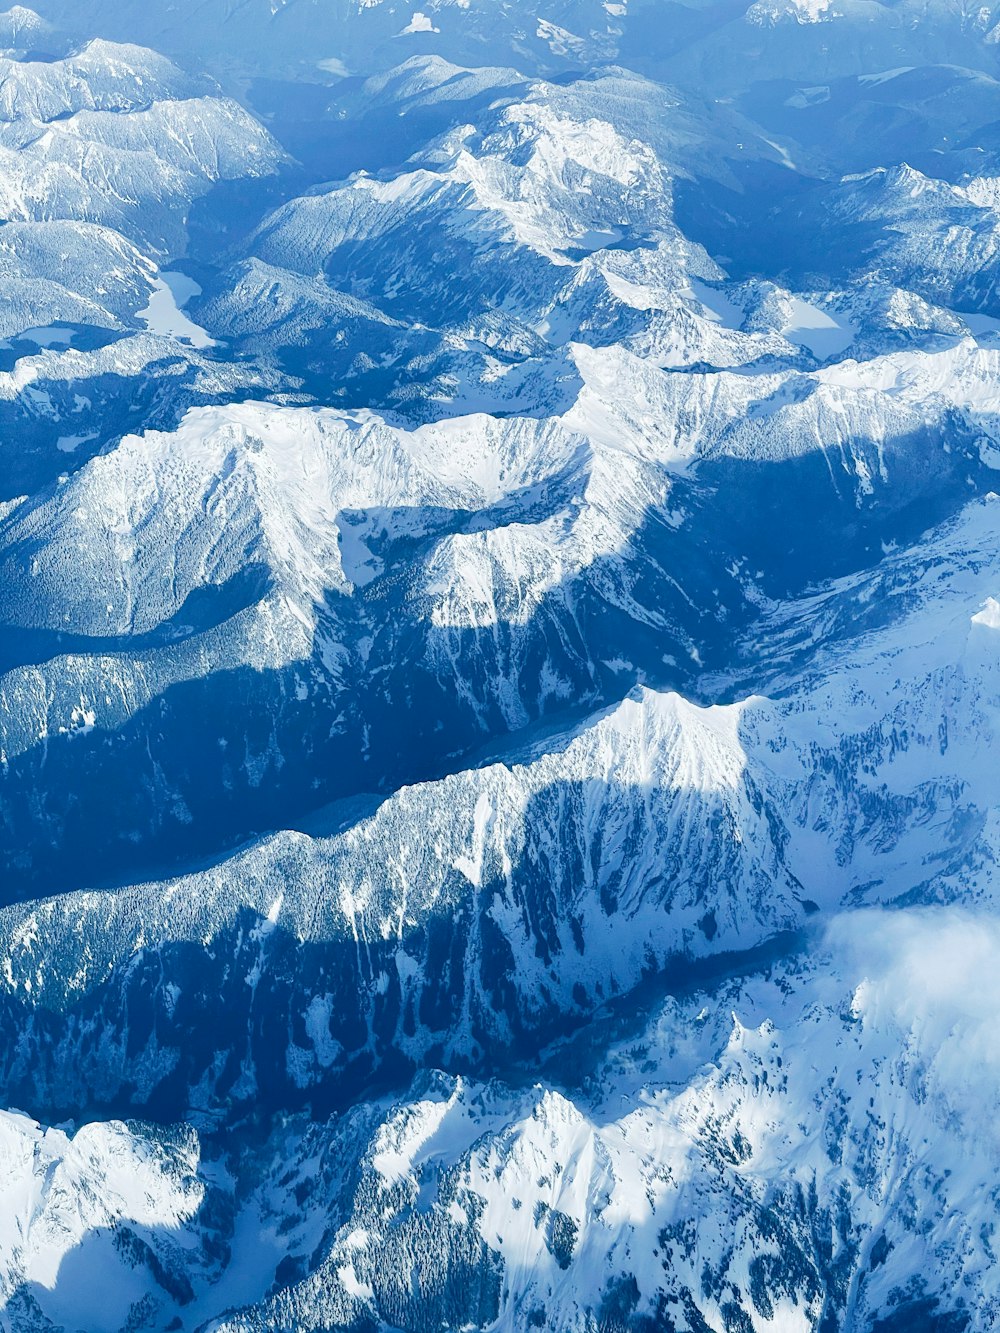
(499,666)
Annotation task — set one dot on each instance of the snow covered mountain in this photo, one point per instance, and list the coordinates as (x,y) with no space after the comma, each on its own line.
(499,666)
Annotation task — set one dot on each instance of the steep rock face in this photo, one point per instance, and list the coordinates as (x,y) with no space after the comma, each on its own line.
(934,237)
(761,1165)
(466,919)
(808,1146)
(491,569)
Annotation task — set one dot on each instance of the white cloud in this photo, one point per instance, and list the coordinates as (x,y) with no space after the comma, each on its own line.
(931,977)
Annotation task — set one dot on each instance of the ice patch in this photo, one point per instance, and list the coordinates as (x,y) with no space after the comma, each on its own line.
(809,11)
(472,866)
(165,312)
(871,80)
(83,721)
(806,97)
(419,23)
(817,331)
(718,308)
(989,615)
(49,336)
(979,325)
(782,151)
(317,1022)
(69,443)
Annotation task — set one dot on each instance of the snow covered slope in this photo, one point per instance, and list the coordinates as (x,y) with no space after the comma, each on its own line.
(684,1173)
(88,1222)
(470,917)
(119,136)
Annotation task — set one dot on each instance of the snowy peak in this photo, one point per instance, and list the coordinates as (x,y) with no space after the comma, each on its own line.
(558,187)
(90,1216)
(118,135)
(102,76)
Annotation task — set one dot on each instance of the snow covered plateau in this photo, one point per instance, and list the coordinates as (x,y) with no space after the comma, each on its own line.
(500,666)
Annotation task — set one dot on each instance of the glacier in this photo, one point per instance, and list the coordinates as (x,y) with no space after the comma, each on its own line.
(499,666)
